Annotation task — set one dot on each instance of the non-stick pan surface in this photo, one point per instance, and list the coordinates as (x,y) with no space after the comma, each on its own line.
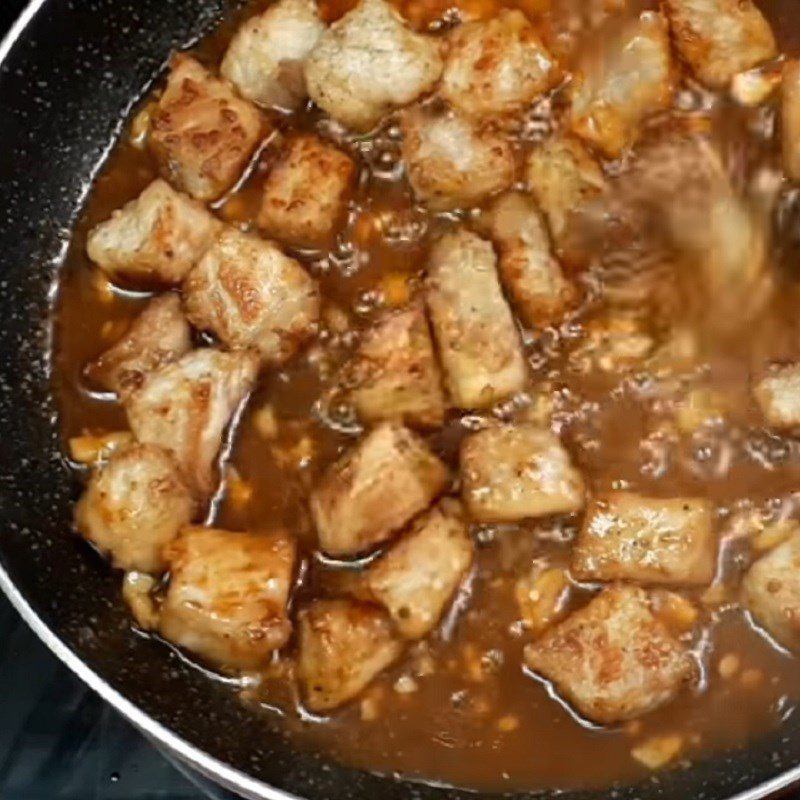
(70,71)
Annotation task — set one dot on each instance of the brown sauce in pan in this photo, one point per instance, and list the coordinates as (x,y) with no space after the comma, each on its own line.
(459,709)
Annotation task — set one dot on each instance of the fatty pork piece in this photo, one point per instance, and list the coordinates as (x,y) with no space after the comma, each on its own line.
(369,63)
(186,406)
(158,237)
(790,118)
(530,274)
(451,162)
(479,345)
(719,38)
(772,592)
(496,66)
(202,133)
(626,536)
(266,57)
(158,336)
(375,489)
(305,194)
(342,646)
(613,660)
(624,80)
(778,396)
(394,374)
(251,295)
(514,472)
(227,595)
(134,505)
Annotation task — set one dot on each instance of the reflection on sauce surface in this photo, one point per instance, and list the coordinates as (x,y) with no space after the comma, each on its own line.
(459,708)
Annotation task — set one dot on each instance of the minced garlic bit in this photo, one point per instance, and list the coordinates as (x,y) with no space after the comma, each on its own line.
(701,408)
(89,449)
(265,421)
(675,611)
(395,289)
(658,751)
(102,286)
(137,588)
(239,491)
(405,684)
(140,127)
(508,723)
(541,597)
(728,666)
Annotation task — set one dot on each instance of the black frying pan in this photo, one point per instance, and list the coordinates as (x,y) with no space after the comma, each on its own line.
(69,72)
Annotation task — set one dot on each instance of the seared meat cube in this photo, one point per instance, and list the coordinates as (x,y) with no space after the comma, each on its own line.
(159,335)
(496,66)
(613,659)
(419,575)
(512,472)
(248,293)
(450,162)
(778,396)
(375,489)
(790,118)
(646,539)
(157,237)
(134,505)
(186,406)
(531,276)
(202,134)
(394,374)
(627,80)
(305,194)
(342,646)
(227,595)
(266,57)
(562,175)
(772,592)
(478,342)
(719,38)
(368,63)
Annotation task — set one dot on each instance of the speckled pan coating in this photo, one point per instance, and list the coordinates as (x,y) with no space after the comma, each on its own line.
(64,86)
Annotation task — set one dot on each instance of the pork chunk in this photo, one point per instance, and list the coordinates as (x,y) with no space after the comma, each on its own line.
(134,505)
(227,595)
(778,396)
(394,374)
(305,194)
(790,118)
(772,592)
(343,645)
(479,345)
(513,472)
(187,405)
(159,335)
(528,271)
(627,79)
(719,38)
(375,489)
(495,66)
(266,57)
(562,175)
(613,659)
(202,134)
(450,162)
(156,238)
(626,536)
(248,293)
(368,63)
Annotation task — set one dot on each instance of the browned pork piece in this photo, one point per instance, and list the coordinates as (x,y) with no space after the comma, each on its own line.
(159,335)
(513,472)
(627,536)
(394,374)
(265,58)
(186,406)
(496,66)
(451,162)
(368,63)
(778,396)
(790,118)
(134,505)
(158,237)
(613,660)
(227,595)
(248,293)
(342,646)
(479,344)
(375,489)
(201,133)
(305,194)
(719,38)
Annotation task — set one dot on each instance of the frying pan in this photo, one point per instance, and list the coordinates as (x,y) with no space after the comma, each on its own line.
(69,72)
